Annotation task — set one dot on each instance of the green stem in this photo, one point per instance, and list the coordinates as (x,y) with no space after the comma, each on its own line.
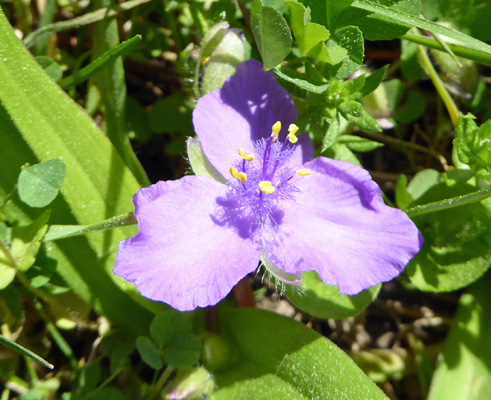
(56,232)
(99,63)
(85,19)
(163,378)
(57,337)
(461,51)
(440,88)
(448,203)
(20,349)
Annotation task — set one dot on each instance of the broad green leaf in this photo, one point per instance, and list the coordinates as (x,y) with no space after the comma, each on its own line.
(199,162)
(405,19)
(39,184)
(26,241)
(381,27)
(422,182)
(296,362)
(457,246)
(359,144)
(183,352)
(354,113)
(149,352)
(464,369)
(311,37)
(373,80)
(351,39)
(402,196)
(340,151)
(168,325)
(327,12)
(303,81)
(412,109)
(222,62)
(272,34)
(325,301)
(38,122)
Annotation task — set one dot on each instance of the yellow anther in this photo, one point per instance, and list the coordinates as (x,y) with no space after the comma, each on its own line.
(304,172)
(238,175)
(275,131)
(266,187)
(247,157)
(292,136)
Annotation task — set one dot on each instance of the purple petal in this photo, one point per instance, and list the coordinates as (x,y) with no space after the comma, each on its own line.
(180,256)
(245,110)
(339,226)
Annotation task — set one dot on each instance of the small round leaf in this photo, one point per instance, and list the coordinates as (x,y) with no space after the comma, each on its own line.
(39,184)
(149,352)
(183,352)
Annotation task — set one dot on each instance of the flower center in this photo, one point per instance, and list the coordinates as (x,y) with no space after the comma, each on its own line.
(259,182)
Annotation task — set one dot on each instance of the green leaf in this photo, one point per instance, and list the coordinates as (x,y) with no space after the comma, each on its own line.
(354,113)
(26,241)
(311,37)
(406,19)
(413,108)
(149,352)
(85,19)
(325,301)
(339,151)
(327,12)
(222,62)
(359,144)
(39,184)
(457,246)
(351,39)
(464,369)
(97,186)
(200,164)
(289,358)
(373,80)
(302,80)
(272,34)
(51,67)
(168,325)
(22,350)
(331,134)
(183,352)
(99,63)
(7,272)
(402,196)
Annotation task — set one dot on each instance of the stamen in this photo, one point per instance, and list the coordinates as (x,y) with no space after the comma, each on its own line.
(275,131)
(304,172)
(266,187)
(247,157)
(292,129)
(238,175)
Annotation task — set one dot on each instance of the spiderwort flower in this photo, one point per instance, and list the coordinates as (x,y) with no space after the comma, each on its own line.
(198,237)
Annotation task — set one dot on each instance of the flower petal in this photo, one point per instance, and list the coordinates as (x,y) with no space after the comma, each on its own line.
(180,256)
(245,110)
(339,226)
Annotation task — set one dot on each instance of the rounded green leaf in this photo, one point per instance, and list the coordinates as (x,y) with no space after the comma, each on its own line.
(324,301)
(457,247)
(184,351)
(149,352)
(39,184)
(272,34)
(168,325)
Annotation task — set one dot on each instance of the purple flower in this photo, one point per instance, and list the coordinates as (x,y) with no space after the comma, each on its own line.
(198,237)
